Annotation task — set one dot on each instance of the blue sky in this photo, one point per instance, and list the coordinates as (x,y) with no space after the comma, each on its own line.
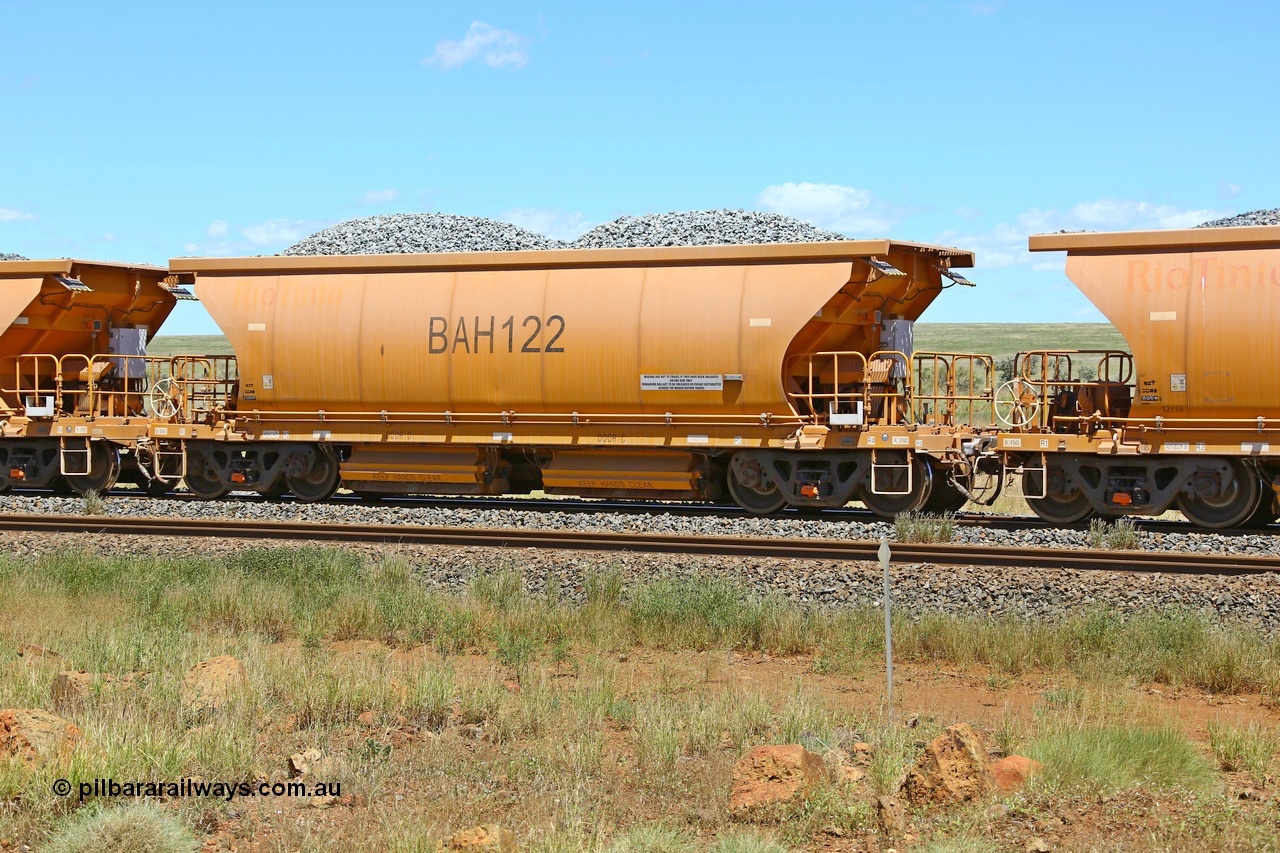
(141,131)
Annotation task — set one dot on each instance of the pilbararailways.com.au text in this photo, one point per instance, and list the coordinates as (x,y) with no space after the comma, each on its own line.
(196,788)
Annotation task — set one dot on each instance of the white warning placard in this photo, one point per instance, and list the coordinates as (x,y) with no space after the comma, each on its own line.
(681,382)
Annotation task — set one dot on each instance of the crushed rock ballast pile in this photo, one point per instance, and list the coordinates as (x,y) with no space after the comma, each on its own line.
(702,228)
(1253,217)
(404,233)
(6,256)
(1025,592)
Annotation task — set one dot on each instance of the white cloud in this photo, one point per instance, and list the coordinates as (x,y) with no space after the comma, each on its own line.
(8,214)
(492,46)
(379,196)
(1005,244)
(217,228)
(559,224)
(1120,215)
(219,249)
(1226,189)
(848,210)
(278,231)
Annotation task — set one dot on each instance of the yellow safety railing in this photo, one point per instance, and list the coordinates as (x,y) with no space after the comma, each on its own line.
(850,388)
(953,388)
(116,386)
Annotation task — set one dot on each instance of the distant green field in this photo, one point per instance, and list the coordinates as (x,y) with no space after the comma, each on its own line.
(1006,339)
(170,345)
(996,339)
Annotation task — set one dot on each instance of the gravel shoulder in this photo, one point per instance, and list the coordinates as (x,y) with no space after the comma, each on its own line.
(657,523)
(1031,594)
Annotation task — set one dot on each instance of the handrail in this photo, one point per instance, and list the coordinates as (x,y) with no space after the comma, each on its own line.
(113,385)
(953,366)
(1024,367)
(13,395)
(836,385)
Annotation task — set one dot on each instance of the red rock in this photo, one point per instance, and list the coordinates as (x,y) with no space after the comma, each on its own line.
(890,817)
(490,838)
(31,650)
(210,684)
(35,736)
(74,688)
(770,778)
(1013,773)
(953,769)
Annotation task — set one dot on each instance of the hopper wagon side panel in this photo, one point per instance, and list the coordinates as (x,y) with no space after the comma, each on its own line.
(607,346)
(496,333)
(778,302)
(397,311)
(689,328)
(562,339)
(1201,326)
(41,314)
(16,295)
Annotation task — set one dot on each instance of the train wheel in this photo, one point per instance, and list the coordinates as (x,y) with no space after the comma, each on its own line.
(1266,512)
(891,505)
(319,483)
(1220,505)
(104,470)
(945,497)
(201,480)
(1060,504)
(278,489)
(751,489)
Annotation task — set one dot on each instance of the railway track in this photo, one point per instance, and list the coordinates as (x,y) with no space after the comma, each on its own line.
(799,549)
(682,509)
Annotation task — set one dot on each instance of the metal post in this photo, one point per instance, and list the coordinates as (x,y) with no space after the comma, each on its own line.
(888,624)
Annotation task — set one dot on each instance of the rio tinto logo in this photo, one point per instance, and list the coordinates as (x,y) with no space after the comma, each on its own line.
(1215,273)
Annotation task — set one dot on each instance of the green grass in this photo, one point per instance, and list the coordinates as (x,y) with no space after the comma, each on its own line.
(316,595)
(93,503)
(924,528)
(1118,535)
(170,345)
(1244,748)
(134,828)
(1110,758)
(574,734)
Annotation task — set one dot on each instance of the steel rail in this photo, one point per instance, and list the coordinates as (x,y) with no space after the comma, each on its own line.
(622,506)
(796,549)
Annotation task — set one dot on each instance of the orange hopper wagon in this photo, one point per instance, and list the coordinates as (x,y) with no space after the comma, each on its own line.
(780,374)
(1190,418)
(75,378)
